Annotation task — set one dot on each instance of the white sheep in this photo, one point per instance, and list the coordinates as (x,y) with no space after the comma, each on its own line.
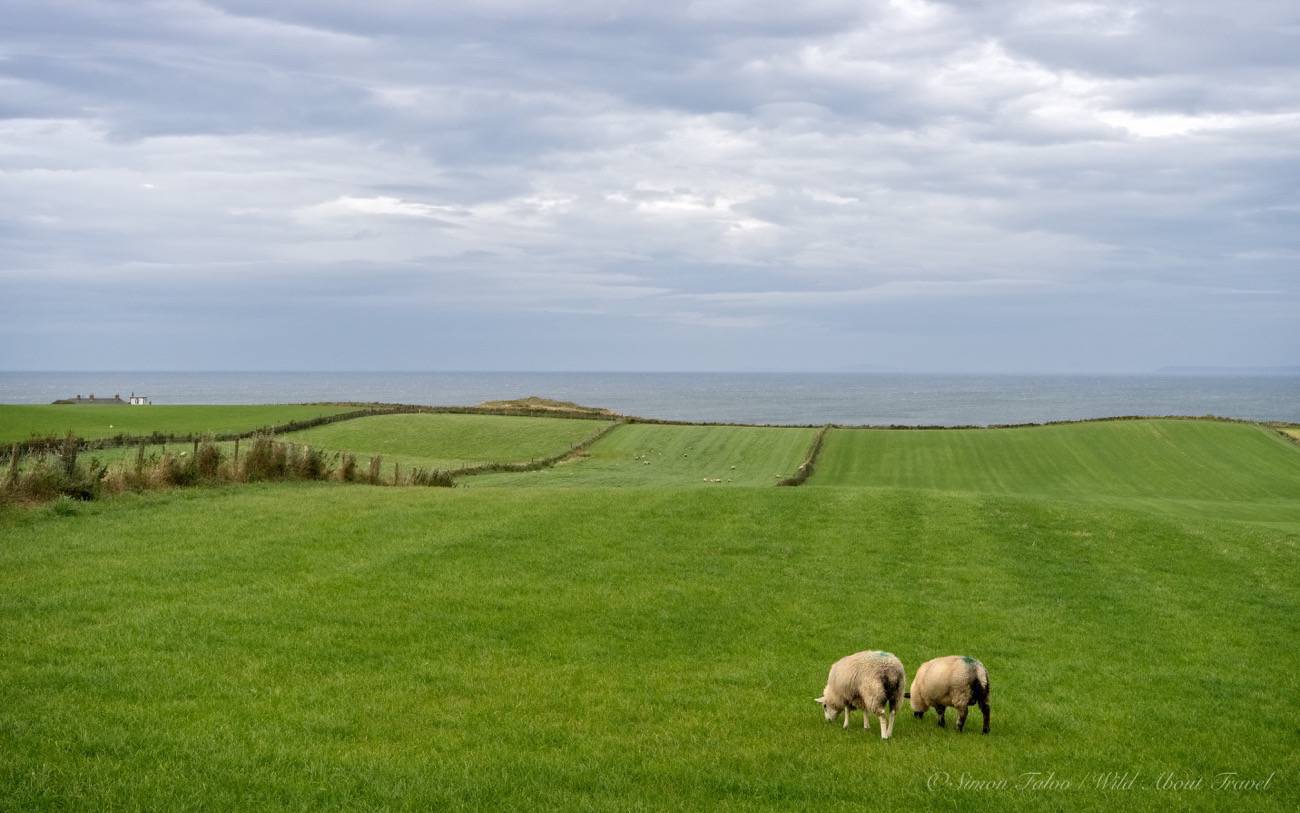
(954,680)
(871,681)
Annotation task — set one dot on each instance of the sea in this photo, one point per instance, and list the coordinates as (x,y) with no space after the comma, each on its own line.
(768,398)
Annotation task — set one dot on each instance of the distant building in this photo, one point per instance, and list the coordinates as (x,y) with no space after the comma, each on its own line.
(139,400)
(91,399)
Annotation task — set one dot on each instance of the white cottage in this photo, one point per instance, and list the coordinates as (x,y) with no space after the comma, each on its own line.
(139,400)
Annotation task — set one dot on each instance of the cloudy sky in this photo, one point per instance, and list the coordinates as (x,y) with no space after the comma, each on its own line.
(606,185)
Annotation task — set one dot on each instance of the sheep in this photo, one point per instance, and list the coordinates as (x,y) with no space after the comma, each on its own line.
(871,681)
(955,680)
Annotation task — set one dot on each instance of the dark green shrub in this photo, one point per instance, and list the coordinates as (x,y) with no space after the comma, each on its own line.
(207,461)
(39,483)
(167,471)
(431,477)
(312,464)
(265,460)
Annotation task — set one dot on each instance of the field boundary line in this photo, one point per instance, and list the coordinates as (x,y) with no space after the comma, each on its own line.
(805,469)
(540,463)
(50,443)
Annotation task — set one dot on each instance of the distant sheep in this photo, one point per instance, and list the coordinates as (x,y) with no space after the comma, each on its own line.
(871,681)
(954,680)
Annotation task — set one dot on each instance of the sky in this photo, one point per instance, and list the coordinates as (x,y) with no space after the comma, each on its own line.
(907,186)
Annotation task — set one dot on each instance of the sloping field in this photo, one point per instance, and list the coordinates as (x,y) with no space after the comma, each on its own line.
(22,421)
(659,455)
(447,441)
(1130,585)
(1185,459)
(346,647)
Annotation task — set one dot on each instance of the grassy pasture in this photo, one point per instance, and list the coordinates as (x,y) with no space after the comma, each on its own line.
(436,440)
(22,421)
(1182,459)
(331,646)
(448,441)
(670,455)
(1131,586)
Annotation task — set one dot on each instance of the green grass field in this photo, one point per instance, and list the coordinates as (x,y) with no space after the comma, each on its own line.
(1184,459)
(22,421)
(441,441)
(448,441)
(343,647)
(670,455)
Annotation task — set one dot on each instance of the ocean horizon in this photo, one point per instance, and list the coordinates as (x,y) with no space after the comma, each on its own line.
(874,398)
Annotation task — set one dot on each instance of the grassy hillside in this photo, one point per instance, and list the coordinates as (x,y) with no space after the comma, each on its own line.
(450,441)
(1130,585)
(350,647)
(21,421)
(660,455)
(1147,458)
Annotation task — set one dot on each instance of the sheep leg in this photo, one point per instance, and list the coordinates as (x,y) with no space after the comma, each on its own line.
(940,710)
(891,722)
(984,709)
(961,718)
(846,716)
(884,726)
(866,720)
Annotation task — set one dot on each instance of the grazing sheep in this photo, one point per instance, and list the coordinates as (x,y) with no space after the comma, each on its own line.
(871,681)
(955,680)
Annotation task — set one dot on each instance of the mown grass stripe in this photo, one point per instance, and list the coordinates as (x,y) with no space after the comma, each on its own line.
(1186,459)
(543,463)
(656,455)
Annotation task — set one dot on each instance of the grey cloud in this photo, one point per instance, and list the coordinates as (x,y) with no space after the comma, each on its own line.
(805,180)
